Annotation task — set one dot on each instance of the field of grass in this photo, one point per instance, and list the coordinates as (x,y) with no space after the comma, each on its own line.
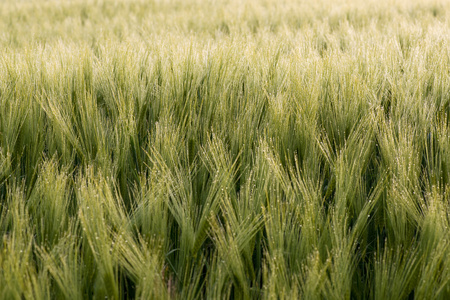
(246,149)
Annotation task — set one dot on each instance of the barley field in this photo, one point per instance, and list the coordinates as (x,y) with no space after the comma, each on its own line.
(235,149)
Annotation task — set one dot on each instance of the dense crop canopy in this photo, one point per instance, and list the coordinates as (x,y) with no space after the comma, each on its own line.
(224,149)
